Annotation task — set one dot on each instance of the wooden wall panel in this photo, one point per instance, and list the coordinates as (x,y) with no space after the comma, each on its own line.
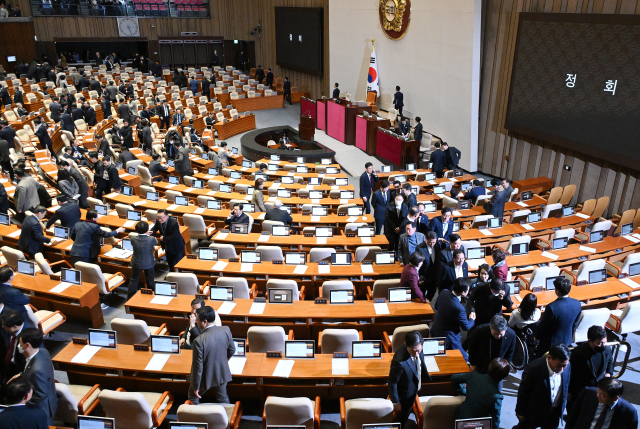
(530,157)
(16,39)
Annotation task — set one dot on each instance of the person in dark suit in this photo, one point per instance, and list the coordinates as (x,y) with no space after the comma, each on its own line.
(191,333)
(206,87)
(106,107)
(488,299)
(84,82)
(443,225)
(410,199)
(489,341)
(495,206)
(482,391)
(101,184)
(409,241)
(43,135)
(237,216)
(76,112)
(367,180)
(259,74)
(21,111)
(56,109)
(602,408)
(126,134)
(590,362)
(86,238)
(178,117)
(269,79)
(542,394)
(438,160)
(398,101)
(170,237)
(155,167)
(18,98)
(379,201)
(95,86)
(560,318)
(68,214)
(287,89)
(451,316)
(164,112)
(8,133)
(336,91)
(80,180)
(143,259)
(429,269)
(452,270)
(89,114)
(13,323)
(11,297)
(182,162)
(126,156)
(278,214)
(32,237)
(452,155)
(17,415)
(405,128)
(5,162)
(395,214)
(407,373)
(417,129)
(476,190)
(212,350)
(5,97)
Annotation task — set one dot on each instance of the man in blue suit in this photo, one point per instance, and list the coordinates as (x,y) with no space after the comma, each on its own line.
(68,214)
(560,318)
(442,225)
(410,199)
(395,214)
(429,269)
(604,405)
(444,253)
(407,373)
(452,155)
(451,317)
(455,269)
(542,395)
(367,180)
(422,220)
(495,206)
(10,296)
(439,160)
(475,191)
(17,415)
(379,201)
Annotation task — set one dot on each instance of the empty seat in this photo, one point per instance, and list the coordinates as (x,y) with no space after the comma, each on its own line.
(381,288)
(337,340)
(75,400)
(134,331)
(291,285)
(291,411)
(136,410)
(217,416)
(357,412)
(262,339)
(589,318)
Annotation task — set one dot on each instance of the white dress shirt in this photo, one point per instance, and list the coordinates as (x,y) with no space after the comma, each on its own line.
(459,271)
(30,357)
(607,418)
(555,382)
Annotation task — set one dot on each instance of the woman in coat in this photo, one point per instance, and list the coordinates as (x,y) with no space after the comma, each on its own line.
(410,277)
(67,185)
(258,196)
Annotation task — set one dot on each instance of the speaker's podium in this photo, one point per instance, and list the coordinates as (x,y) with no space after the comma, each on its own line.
(393,149)
(306,128)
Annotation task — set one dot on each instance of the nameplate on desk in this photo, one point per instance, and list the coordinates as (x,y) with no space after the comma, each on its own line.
(80,341)
(622,276)
(141,347)
(276,262)
(367,262)
(234,260)
(260,299)
(192,257)
(616,234)
(581,283)
(274,355)
(146,291)
(342,213)
(379,300)
(341,355)
(224,231)
(53,277)
(537,289)
(202,295)
(308,235)
(265,233)
(323,263)
(350,235)
(321,300)
(618,250)
(556,228)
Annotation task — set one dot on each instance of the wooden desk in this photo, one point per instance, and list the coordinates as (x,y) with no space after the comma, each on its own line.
(299,241)
(584,293)
(309,165)
(366,132)
(536,182)
(259,103)
(235,126)
(396,151)
(293,186)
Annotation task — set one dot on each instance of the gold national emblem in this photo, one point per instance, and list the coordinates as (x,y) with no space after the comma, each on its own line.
(394,17)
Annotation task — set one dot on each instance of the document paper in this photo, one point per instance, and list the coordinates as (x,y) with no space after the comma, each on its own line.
(161,300)
(283,369)
(432,366)
(630,283)
(257,307)
(587,249)
(226,307)
(236,365)
(157,362)
(549,255)
(381,308)
(340,366)
(85,355)
(60,288)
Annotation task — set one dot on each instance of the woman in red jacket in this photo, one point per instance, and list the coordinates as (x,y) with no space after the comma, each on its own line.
(500,267)
(410,278)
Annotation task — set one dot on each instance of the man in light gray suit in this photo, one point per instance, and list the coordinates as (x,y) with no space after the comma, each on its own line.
(212,350)
(409,242)
(182,162)
(39,372)
(26,196)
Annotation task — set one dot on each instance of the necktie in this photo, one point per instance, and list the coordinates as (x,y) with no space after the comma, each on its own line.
(371,181)
(12,346)
(416,361)
(601,419)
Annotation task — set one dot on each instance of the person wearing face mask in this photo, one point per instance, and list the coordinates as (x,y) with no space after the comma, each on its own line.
(451,316)
(489,341)
(428,271)
(488,300)
(453,270)
(191,333)
(395,214)
(590,362)
(13,362)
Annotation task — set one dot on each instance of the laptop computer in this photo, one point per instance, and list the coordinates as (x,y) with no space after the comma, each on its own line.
(366,349)
(299,349)
(103,338)
(165,344)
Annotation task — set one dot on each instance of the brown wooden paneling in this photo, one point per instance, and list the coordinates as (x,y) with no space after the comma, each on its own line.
(593,177)
(16,38)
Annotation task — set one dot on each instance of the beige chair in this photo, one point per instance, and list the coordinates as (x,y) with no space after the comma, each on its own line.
(554,195)
(381,288)
(267,225)
(92,273)
(45,320)
(538,277)
(75,400)
(12,255)
(625,320)
(261,339)
(627,217)
(188,284)
(582,273)
(617,268)
(449,202)
(393,342)
(217,416)
(356,412)
(287,284)
(136,410)
(329,285)
(197,228)
(93,201)
(436,412)
(135,331)
(367,253)
(122,210)
(225,251)
(567,194)
(171,195)
(270,253)
(480,220)
(519,216)
(524,239)
(81,125)
(550,208)
(587,319)
(291,411)
(240,287)
(337,340)
(320,254)
(45,265)
(568,233)
(601,207)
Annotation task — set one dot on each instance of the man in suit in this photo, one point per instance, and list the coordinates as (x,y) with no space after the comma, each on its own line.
(84,82)
(409,241)
(170,237)
(452,270)
(99,179)
(542,394)
(212,350)
(559,319)
(111,92)
(490,341)
(126,156)
(591,362)
(405,128)
(182,162)
(56,109)
(411,218)
(68,214)
(429,269)
(206,87)
(8,133)
(86,237)
(143,259)
(417,129)
(114,181)
(155,167)
(17,415)
(451,317)
(83,187)
(178,117)
(32,238)
(5,97)
(336,91)
(13,323)
(259,74)
(410,199)
(191,333)
(123,111)
(476,190)
(379,201)
(443,225)
(603,408)
(398,101)
(95,86)
(21,110)
(396,212)
(164,112)
(11,297)
(43,135)
(438,159)
(76,112)
(126,134)
(18,97)
(237,216)
(422,220)
(407,373)
(278,214)
(495,206)
(106,106)
(367,180)
(452,155)
(89,114)
(269,79)
(488,299)
(287,89)
(5,160)
(26,195)
(506,186)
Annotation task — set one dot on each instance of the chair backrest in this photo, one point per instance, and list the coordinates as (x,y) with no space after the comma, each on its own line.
(284,284)
(338,340)
(440,411)
(122,209)
(601,207)
(145,175)
(633,258)
(67,404)
(330,285)
(42,263)
(12,255)
(131,331)
(381,287)
(289,411)
(518,240)
(588,206)
(262,339)
(367,253)
(129,409)
(400,332)
(604,225)
(187,282)
(197,227)
(449,202)
(630,318)
(540,274)
(567,194)
(564,233)
(627,217)
(239,284)
(367,411)
(519,215)
(555,195)
(549,208)
(267,225)
(586,266)
(213,414)
(320,254)
(171,195)
(353,227)
(225,251)
(270,253)
(480,220)
(589,318)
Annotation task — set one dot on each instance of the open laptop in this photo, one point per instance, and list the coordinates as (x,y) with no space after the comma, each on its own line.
(434,346)
(366,349)
(476,423)
(5,219)
(596,236)
(341,296)
(241,347)
(634,269)
(182,201)
(214,205)
(250,257)
(125,244)
(174,180)
(280,296)
(399,295)
(295,258)
(207,254)
(188,425)
(341,258)
(134,215)
(494,222)
(319,210)
(534,217)
(127,191)
(27,268)
(385,258)
(280,231)
(299,349)
(167,289)
(103,338)
(61,232)
(165,344)
(324,231)
(153,196)
(71,276)
(519,249)
(475,256)
(366,231)
(559,243)
(512,287)
(626,229)
(90,422)
(221,293)
(315,195)
(430,207)
(386,169)
(549,282)
(598,276)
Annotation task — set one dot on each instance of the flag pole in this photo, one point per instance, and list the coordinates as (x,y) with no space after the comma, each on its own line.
(372,42)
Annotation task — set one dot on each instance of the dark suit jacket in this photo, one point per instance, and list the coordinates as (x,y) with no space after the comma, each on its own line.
(182,163)
(259,75)
(450,317)
(98,175)
(15,300)
(558,323)
(126,134)
(95,86)
(77,113)
(422,224)
(411,200)
(90,116)
(172,239)
(448,275)
(114,177)
(278,215)
(495,206)
(86,239)
(18,97)
(366,187)
(589,367)
(428,268)
(534,394)
(212,350)
(32,238)
(286,87)
(417,132)
(455,155)
(55,109)
(4,151)
(8,134)
(39,372)
(582,414)
(473,193)
(485,304)
(43,137)
(439,160)
(403,377)
(398,100)
(483,397)
(126,156)
(156,169)
(436,225)
(23,417)
(336,93)
(68,214)
(405,128)
(243,218)
(106,108)
(403,245)
(481,342)
(379,205)
(143,250)
(393,221)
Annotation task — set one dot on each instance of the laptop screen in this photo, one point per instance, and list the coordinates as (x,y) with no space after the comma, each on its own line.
(341,258)
(596,236)
(386,169)
(198,184)
(512,287)
(438,190)
(227,189)
(221,293)
(299,349)
(385,258)
(183,425)
(126,244)
(280,231)
(71,276)
(399,294)
(534,217)
(597,276)
(342,181)
(213,171)
(295,258)
(6,220)
(134,215)
(61,232)
(354,211)
(102,210)
(241,347)
(319,210)
(520,249)
(332,170)
(494,222)
(102,338)
(464,205)
(477,423)
(246,163)
(366,231)
(401,178)
(127,190)
(430,207)
(559,243)
(410,167)
(366,349)
(208,254)
(174,180)
(567,211)
(345,296)
(88,422)
(315,195)
(235,175)
(634,269)
(347,195)
(273,167)
(214,205)
(165,344)
(324,231)
(476,253)
(549,282)
(302,169)
(167,288)
(275,158)
(182,201)
(300,160)
(314,180)
(626,229)
(26,267)
(239,228)
(526,195)
(280,296)
(153,196)
(284,193)
(250,257)
(287,180)
(434,346)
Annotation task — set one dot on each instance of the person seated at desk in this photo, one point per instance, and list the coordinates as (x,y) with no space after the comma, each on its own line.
(527,314)
(21,110)
(68,214)
(32,238)
(476,190)
(603,408)
(237,216)
(155,167)
(126,156)
(410,278)
(210,120)
(483,393)
(67,185)
(17,415)
(489,341)
(405,128)
(451,316)
(443,225)
(278,214)
(192,331)
(453,270)
(409,241)
(223,154)
(488,301)
(283,145)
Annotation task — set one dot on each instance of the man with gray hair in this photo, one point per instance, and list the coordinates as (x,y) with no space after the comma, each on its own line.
(278,214)
(490,341)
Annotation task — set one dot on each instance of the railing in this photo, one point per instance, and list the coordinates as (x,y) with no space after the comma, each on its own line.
(111,8)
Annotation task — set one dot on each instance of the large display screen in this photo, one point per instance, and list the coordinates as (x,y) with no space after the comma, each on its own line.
(299,37)
(576,83)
